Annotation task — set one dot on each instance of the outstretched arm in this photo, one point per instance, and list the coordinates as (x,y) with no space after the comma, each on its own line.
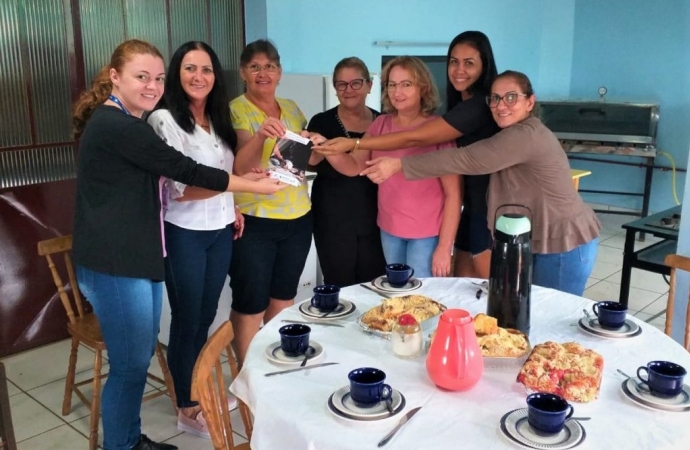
(432,132)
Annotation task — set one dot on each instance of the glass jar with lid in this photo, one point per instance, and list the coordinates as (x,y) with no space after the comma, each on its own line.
(406,337)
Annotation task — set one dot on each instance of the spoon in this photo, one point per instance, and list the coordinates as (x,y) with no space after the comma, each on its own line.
(640,386)
(580,419)
(586,313)
(310,352)
(389,404)
(321,317)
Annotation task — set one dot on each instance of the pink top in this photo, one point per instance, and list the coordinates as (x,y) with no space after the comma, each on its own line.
(408,209)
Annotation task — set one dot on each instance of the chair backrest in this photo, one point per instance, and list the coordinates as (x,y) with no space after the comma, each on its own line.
(682,263)
(63,245)
(208,387)
(7,440)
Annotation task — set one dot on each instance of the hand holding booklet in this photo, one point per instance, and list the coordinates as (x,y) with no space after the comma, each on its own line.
(288,162)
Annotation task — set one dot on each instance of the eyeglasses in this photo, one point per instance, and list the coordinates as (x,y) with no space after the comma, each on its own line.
(509,99)
(255,68)
(403,85)
(354,84)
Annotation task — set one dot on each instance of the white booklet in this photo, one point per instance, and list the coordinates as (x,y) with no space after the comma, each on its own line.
(288,162)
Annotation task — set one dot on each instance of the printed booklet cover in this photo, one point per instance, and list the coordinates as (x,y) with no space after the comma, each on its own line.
(288,163)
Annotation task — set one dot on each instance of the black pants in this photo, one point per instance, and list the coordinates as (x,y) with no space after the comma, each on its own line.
(268,260)
(348,259)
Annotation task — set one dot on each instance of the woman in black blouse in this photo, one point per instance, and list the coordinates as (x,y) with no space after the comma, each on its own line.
(347,238)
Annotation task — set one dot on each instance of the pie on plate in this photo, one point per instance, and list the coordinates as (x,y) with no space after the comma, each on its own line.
(569,370)
(383,316)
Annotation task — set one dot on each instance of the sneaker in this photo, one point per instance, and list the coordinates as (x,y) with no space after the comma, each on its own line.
(196,426)
(147,444)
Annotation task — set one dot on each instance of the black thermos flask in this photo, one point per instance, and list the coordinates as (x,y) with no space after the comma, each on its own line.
(510,273)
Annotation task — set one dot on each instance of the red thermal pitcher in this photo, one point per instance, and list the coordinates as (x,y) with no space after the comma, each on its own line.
(455,361)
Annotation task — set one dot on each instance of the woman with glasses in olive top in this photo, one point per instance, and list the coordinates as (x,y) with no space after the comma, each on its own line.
(347,238)
(268,259)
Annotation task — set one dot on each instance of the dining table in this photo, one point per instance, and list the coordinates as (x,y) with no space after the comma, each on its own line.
(291,410)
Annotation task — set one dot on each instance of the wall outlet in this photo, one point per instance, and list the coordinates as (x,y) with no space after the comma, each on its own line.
(306,284)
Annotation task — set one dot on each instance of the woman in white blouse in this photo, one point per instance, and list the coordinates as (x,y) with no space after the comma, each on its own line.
(194,118)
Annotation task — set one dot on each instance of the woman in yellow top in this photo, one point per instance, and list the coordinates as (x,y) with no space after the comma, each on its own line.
(269,258)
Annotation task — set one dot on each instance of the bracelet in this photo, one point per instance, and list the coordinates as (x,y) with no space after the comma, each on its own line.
(356,145)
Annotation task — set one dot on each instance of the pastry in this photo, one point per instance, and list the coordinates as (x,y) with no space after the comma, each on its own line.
(569,370)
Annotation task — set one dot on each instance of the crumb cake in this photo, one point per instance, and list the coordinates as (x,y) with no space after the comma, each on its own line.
(495,341)
(383,316)
(569,370)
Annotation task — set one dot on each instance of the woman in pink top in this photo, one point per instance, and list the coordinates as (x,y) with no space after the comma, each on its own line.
(418,219)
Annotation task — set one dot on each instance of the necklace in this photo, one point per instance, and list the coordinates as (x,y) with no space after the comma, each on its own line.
(347,135)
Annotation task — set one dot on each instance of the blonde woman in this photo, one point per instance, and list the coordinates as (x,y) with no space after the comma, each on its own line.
(418,220)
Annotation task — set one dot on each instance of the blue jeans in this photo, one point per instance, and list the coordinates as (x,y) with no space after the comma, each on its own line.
(129,313)
(568,271)
(416,253)
(195,271)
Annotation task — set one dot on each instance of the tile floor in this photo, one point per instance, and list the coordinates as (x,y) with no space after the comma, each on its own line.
(36,395)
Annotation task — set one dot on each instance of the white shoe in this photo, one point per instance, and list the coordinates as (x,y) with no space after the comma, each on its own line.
(232,402)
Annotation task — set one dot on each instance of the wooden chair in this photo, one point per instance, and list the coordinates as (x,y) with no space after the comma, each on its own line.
(682,263)
(208,388)
(84,329)
(7,440)
(244,409)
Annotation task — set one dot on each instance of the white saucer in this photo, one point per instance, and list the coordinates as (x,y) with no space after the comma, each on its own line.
(340,404)
(591,326)
(646,399)
(515,427)
(276,355)
(381,283)
(344,309)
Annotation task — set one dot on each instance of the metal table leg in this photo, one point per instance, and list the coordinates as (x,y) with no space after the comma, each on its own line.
(628,257)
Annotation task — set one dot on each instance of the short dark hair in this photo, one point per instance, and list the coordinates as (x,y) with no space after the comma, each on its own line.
(352,62)
(176,101)
(258,47)
(478,41)
(520,78)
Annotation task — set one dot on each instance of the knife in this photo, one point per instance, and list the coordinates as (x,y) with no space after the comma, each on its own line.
(326,324)
(280,372)
(406,418)
(374,290)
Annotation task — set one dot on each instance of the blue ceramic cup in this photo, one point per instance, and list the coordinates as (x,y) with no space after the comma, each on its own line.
(398,274)
(367,387)
(610,314)
(547,413)
(326,297)
(294,339)
(664,378)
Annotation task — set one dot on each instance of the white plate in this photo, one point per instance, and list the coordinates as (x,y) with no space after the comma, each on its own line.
(591,326)
(340,404)
(646,399)
(381,283)
(515,427)
(276,355)
(344,309)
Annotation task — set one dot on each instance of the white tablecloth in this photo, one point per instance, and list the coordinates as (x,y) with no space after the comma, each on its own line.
(291,412)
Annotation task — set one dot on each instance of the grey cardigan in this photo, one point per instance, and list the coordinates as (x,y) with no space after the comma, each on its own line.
(528,167)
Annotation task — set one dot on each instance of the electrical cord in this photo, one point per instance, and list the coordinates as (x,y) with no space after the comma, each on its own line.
(673,176)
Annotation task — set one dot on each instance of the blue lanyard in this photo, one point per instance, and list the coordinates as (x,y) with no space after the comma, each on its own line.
(117,101)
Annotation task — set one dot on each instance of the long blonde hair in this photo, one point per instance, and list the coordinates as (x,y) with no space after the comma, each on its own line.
(102,86)
(420,76)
